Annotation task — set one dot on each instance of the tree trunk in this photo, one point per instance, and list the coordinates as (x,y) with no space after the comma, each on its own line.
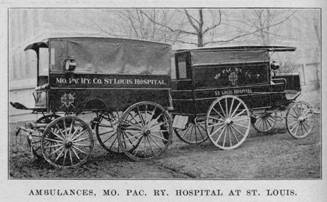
(200,31)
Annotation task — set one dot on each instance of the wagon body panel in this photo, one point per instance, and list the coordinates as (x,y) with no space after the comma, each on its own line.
(245,72)
(100,92)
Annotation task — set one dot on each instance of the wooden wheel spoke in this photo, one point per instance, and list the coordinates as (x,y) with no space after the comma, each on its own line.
(57,150)
(231,107)
(70,156)
(235,110)
(218,119)
(216,131)
(155,142)
(157,125)
(158,137)
(239,114)
(59,155)
(75,153)
(217,112)
(52,146)
(65,155)
(79,149)
(140,115)
(223,130)
(58,136)
(53,140)
(231,129)
(111,136)
(237,130)
(81,145)
(113,142)
(226,107)
(81,139)
(78,135)
(216,124)
(244,126)
(225,115)
(147,138)
(103,133)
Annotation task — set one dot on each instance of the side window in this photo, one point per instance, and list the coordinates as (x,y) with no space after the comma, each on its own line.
(44,61)
(182,71)
(173,68)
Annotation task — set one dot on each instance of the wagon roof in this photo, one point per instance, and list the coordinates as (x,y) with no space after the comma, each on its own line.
(44,43)
(241,48)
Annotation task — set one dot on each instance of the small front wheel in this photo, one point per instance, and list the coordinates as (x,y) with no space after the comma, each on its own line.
(299,120)
(263,122)
(67,142)
(194,131)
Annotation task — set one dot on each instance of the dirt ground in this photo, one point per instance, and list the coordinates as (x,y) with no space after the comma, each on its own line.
(262,156)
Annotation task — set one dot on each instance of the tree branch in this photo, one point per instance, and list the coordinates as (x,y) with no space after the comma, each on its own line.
(189,18)
(215,25)
(250,33)
(167,27)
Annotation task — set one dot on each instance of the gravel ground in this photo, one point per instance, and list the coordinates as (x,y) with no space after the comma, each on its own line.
(262,156)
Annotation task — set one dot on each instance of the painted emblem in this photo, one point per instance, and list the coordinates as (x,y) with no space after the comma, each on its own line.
(233,78)
(67,100)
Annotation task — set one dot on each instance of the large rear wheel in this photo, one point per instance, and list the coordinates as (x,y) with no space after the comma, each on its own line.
(106,131)
(144,131)
(228,122)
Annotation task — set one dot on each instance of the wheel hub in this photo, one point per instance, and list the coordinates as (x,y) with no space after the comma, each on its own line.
(228,121)
(146,132)
(68,144)
(301,119)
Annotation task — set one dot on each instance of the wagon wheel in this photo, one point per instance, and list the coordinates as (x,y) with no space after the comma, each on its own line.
(299,120)
(263,122)
(67,142)
(106,131)
(144,130)
(228,122)
(194,132)
(35,141)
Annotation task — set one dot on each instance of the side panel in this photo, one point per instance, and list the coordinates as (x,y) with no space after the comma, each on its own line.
(231,75)
(78,100)
(84,92)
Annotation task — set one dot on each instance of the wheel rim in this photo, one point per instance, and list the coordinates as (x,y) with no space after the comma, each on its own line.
(264,122)
(144,131)
(67,142)
(299,120)
(106,131)
(228,122)
(194,132)
(35,142)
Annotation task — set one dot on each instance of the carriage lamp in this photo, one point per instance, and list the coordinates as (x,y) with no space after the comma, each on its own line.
(70,64)
(274,66)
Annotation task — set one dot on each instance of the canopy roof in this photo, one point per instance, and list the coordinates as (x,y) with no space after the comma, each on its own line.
(242,48)
(108,55)
(233,54)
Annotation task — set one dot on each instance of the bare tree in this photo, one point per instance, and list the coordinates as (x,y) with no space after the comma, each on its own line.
(198,25)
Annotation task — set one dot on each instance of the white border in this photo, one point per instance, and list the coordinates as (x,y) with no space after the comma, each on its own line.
(16,190)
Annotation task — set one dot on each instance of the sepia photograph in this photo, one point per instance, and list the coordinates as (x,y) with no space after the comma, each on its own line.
(201,93)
